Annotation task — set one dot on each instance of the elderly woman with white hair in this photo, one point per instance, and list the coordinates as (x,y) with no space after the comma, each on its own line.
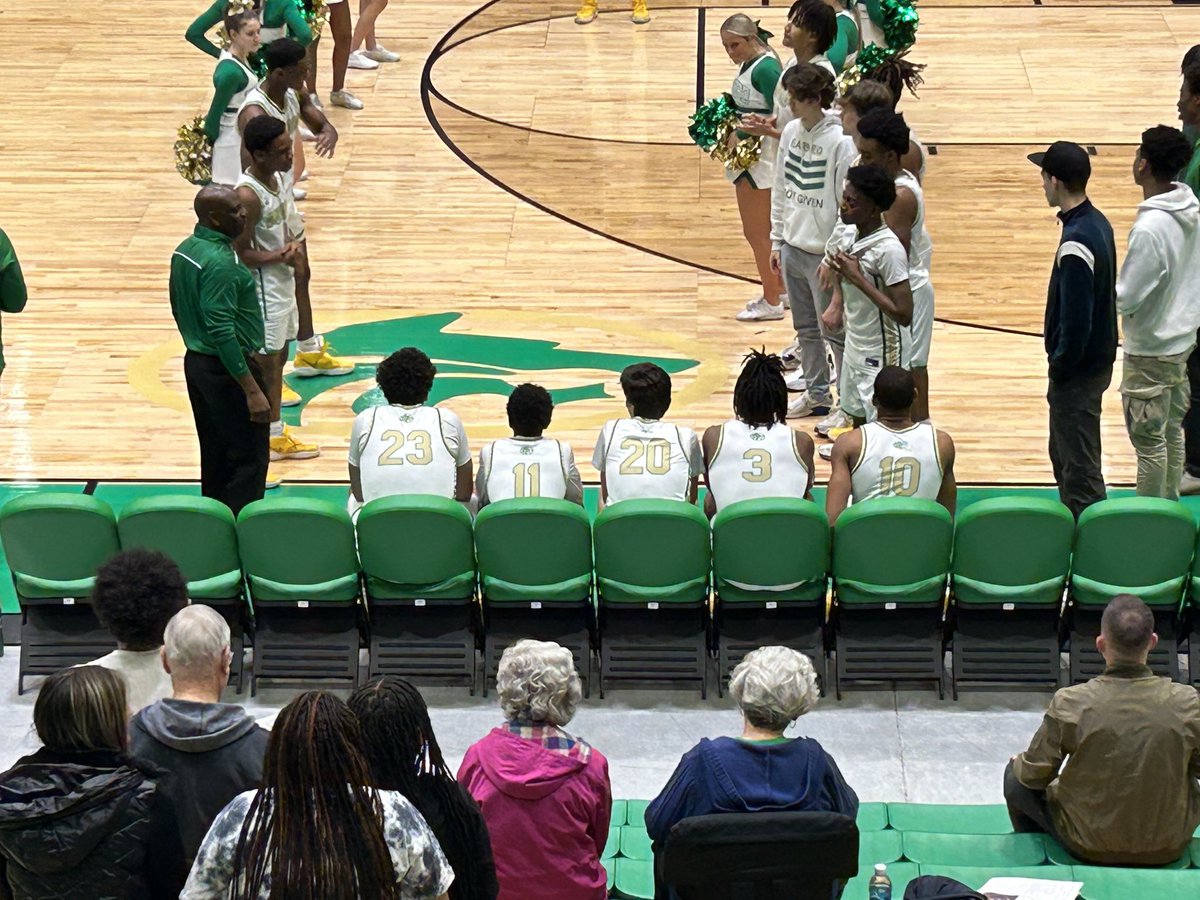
(762,770)
(544,793)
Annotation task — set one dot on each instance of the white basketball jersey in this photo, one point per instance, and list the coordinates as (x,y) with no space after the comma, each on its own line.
(897,463)
(275,282)
(647,459)
(524,467)
(406,450)
(920,251)
(289,115)
(752,463)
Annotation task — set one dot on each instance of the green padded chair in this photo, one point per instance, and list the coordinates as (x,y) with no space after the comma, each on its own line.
(950,818)
(418,561)
(1002,851)
(535,577)
(1012,556)
(1104,883)
(891,560)
(54,544)
(635,812)
(652,567)
(770,575)
(872,817)
(199,534)
(879,847)
(1193,613)
(1060,856)
(635,843)
(1132,545)
(633,879)
(302,573)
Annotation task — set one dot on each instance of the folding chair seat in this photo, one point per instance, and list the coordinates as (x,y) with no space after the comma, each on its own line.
(872,817)
(947,818)
(891,560)
(1002,851)
(303,578)
(770,565)
(1012,556)
(54,544)
(535,577)
(200,535)
(1131,545)
(652,569)
(418,560)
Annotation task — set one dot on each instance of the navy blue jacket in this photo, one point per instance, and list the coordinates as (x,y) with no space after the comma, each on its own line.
(1081,304)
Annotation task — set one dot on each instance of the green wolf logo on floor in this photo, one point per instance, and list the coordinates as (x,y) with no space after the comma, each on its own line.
(483,364)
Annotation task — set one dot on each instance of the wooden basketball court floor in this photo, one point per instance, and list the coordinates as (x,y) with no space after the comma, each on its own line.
(519,196)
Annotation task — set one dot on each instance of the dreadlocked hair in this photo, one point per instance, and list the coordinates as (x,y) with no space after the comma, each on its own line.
(403,754)
(315,829)
(760,396)
(898,73)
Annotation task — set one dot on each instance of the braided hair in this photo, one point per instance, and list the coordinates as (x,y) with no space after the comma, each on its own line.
(404,756)
(315,829)
(898,73)
(760,396)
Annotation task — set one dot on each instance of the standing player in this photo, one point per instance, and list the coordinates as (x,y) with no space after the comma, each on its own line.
(232,80)
(280,96)
(868,96)
(643,456)
(882,141)
(407,447)
(755,454)
(528,464)
(892,456)
(758,74)
(271,245)
(875,300)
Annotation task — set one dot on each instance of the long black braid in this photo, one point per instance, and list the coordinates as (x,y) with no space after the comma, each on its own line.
(316,826)
(760,396)
(404,756)
(898,73)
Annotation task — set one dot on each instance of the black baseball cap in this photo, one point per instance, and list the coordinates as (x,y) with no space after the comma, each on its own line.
(1065,161)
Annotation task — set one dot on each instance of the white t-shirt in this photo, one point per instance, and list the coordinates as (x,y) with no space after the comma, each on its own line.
(422,872)
(647,459)
(146,681)
(527,467)
(408,450)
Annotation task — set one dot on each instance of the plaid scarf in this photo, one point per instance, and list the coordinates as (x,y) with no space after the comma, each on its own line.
(551,737)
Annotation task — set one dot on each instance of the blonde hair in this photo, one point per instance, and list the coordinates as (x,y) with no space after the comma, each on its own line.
(774,686)
(82,709)
(537,682)
(744,26)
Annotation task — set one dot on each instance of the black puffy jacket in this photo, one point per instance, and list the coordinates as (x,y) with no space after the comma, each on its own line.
(87,826)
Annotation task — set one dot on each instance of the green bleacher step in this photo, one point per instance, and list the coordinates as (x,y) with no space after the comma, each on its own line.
(949,818)
(1103,883)
(872,816)
(634,879)
(879,847)
(635,843)
(999,850)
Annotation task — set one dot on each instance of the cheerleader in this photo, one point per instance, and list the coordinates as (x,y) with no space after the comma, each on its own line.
(758,73)
(845,47)
(232,79)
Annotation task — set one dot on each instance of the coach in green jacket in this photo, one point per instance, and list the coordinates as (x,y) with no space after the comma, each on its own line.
(216,308)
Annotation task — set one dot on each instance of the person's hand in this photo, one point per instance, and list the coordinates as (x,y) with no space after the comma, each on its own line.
(832,318)
(825,277)
(326,141)
(753,124)
(776,264)
(848,267)
(260,408)
(290,254)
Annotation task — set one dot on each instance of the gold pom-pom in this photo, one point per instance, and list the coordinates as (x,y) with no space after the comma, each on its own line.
(193,152)
(743,154)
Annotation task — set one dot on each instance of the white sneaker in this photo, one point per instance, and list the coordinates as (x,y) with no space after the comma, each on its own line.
(304,175)
(786,301)
(299,194)
(761,311)
(753,300)
(825,451)
(1189,485)
(345,99)
(382,54)
(791,356)
(316,101)
(835,419)
(796,382)
(359,60)
(805,406)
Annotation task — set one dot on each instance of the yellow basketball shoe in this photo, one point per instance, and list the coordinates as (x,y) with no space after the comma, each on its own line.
(587,12)
(289,397)
(274,479)
(641,15)
(288,446)
(322,362)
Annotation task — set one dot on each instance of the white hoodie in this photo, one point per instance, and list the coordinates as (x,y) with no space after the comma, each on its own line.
(1158,290)
(809,175)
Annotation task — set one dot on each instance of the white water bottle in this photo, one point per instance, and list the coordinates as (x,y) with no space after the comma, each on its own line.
(880,887)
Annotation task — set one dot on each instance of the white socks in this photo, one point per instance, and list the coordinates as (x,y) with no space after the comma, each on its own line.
(312,345)
(277,428)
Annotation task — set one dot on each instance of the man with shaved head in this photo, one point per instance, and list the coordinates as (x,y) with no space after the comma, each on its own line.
(1113,771)
(217,311)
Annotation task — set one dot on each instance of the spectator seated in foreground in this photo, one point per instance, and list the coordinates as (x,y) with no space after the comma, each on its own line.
(1112,772)
(544,793)
(211,751)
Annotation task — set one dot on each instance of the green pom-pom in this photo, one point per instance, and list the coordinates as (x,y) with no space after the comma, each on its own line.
(708,118)
(900,21)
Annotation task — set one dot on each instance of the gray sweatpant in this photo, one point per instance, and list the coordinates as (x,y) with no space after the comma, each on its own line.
(808,302)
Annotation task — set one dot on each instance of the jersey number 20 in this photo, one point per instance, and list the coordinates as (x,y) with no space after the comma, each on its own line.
(653,456)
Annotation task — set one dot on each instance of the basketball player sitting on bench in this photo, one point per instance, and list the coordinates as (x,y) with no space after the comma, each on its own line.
(891,456)
(642,456)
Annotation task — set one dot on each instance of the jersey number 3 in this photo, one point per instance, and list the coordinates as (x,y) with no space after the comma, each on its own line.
(760,465)
(419,442)
(653,456)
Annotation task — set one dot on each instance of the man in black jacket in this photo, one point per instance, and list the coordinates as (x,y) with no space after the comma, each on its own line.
(212,751)
(1081,325)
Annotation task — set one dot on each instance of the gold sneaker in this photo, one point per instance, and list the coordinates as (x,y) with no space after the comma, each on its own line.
(274,479)
(288,446)
(641,15)
(323,362)
(587,12)
(288,397)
